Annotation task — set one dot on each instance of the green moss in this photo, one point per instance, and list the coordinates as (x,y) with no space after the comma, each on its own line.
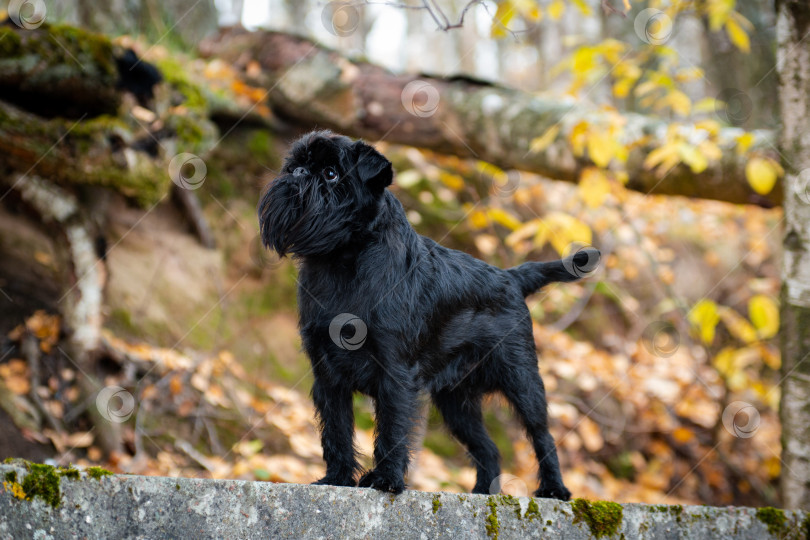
(69,472)
(508,500)
(774,519)
(177,487)
(97,472)
(603,518)
(10,44)
(533,511)
(491,522)
(42,481)
(174,74)
(11,476)
(437,503)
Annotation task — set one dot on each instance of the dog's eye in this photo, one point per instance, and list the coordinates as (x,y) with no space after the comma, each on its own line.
(330,174)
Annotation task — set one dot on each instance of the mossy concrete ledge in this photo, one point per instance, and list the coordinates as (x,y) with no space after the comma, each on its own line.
(70,503)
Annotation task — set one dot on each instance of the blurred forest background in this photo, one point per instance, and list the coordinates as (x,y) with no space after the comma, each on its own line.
(145,329)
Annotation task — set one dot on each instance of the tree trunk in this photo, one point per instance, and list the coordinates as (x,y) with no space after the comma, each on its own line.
(793,63)
(312,86)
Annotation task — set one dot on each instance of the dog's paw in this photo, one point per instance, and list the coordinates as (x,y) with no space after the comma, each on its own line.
(335,481)
(383,482)
(559,492)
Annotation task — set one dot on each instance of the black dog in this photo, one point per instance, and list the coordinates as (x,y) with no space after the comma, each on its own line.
(387,312)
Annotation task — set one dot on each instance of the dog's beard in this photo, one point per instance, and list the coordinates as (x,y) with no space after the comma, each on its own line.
(306,217)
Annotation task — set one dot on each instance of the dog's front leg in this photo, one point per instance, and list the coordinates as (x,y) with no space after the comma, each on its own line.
(395,406)
(333,405)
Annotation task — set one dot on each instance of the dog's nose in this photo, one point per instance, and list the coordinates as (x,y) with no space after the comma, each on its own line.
(300,171)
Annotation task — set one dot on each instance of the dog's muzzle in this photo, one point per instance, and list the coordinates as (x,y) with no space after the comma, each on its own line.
(299,172)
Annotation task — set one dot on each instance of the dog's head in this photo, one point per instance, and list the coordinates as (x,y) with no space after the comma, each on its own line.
(327,193)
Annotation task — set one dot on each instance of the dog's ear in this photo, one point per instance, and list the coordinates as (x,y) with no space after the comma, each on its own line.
(372,167)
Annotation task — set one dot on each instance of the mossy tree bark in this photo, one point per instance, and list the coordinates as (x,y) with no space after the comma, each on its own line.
(188,20)
(793,63)
(313,86)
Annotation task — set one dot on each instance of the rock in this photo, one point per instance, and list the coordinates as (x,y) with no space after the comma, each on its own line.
(120,506)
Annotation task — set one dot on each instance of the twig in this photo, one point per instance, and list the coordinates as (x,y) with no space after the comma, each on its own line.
(30,349)
(193,210)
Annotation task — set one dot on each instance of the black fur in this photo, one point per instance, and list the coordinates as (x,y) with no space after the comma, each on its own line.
(437,320)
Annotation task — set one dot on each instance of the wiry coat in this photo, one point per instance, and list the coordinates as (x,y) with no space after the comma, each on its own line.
(411,316)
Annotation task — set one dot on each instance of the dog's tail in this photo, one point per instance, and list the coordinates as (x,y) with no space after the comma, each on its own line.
(532,276)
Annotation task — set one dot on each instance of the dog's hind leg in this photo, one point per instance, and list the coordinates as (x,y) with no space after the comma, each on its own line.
(462,414)
(525,391)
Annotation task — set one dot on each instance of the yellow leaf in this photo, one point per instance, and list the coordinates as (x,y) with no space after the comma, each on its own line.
(764,314)
(683,435)
(578,137)
(601,148)
(724,361)
(660,154)
(542,142)
(679,102)
(738,36)
(556,9)
(565,229)
(738,325)
(744,142)
(693,157)
(500,22)
(584,8)
(542,235)
(453,181)
(584,60)
(525,231)
(708,104)
(710,150)
(501,216)
(761,174)
(593,186)
(704,316)
(478,219)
